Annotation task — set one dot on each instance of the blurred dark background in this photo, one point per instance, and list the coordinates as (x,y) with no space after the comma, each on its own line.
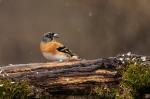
(91,28)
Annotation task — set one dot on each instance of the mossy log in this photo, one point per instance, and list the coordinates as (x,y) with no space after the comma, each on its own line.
(81,77)
(65,76)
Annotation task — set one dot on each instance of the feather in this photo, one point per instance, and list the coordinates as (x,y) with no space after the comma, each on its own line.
(65,50)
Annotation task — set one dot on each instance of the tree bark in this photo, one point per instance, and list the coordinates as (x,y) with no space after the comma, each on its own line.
(57,77)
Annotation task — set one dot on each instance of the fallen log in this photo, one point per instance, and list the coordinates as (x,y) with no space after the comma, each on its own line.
(73,77)
(64,76)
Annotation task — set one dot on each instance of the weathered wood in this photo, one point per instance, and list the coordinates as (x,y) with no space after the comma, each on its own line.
(65,76)
(79,76)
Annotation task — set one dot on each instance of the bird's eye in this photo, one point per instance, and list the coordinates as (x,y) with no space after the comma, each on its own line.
(48,36)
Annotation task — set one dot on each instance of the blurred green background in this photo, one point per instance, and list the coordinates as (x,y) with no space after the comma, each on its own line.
(91,28)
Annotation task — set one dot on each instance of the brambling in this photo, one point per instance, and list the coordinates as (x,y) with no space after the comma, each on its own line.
(54,50)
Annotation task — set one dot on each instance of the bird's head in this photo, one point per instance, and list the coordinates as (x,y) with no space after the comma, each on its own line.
(49,36)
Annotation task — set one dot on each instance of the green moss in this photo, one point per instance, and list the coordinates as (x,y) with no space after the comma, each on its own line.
(104,91)
(14,90)
(134,79)
(137,75)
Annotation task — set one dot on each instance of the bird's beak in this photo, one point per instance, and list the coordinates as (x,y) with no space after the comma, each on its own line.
(56,35)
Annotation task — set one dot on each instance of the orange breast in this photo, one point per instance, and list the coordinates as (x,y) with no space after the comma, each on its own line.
(50,47)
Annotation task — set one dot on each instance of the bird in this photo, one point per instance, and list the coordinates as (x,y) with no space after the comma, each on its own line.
(53,50)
